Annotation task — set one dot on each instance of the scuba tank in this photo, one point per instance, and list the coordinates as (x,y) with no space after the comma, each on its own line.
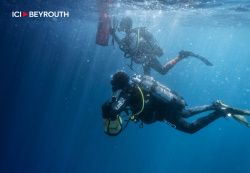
(158,90)
(143,43)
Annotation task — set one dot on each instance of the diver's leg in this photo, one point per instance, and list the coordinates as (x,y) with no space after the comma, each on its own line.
(195,110)
(146,69)
(156,65)
(171,64)
(181,124)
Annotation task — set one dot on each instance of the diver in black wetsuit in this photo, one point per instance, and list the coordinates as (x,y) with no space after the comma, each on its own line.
(140,45)
(147,108)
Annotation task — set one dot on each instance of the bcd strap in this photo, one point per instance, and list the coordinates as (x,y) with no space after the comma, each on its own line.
(134,117)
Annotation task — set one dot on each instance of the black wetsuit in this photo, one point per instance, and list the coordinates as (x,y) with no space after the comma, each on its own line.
(156,110)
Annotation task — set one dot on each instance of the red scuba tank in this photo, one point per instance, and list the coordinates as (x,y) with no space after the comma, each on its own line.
(102,35)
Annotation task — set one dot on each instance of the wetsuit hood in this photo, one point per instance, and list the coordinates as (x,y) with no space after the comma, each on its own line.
(125,24)
(120,80)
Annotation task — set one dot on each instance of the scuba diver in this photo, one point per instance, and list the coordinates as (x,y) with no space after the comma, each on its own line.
(140,45)
(148,101)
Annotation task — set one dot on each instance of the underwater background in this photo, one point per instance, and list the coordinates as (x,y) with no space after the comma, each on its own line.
(54,79)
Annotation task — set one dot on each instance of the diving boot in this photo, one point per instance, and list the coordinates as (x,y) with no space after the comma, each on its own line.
(216,105)
(220,108)
(184,54)
(227,111)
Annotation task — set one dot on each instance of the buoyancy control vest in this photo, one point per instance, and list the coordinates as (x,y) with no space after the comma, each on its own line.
(158,90)
(140,42)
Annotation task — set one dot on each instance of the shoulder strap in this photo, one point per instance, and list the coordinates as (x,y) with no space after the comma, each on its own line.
(134,116)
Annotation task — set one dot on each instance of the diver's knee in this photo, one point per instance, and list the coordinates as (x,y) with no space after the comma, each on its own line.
(163,72)
(191,129)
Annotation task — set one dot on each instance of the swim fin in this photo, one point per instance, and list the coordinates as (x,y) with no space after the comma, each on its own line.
(201,58)
(236,113)
(241,119)
(219,105)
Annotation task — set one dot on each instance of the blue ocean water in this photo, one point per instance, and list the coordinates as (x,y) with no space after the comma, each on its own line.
(54,79)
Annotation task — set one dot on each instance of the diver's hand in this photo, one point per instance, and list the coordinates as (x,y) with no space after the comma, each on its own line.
(184,54)
(111,31)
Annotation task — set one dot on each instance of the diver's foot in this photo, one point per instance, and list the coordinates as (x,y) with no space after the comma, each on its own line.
(223,112)
(220,108)
(217,104)
(184,54)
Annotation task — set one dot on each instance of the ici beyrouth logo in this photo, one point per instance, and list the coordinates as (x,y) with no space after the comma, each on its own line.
(40,14)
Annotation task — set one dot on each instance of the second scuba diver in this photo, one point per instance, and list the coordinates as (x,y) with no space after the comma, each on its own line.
(149,101)
(140,45)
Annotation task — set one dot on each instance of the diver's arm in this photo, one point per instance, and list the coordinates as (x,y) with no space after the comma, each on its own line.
(117,39)
(112,108)
(106,111)
(120,105)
